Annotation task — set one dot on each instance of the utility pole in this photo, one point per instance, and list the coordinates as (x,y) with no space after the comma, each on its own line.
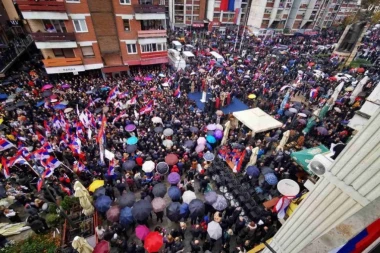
(245,23)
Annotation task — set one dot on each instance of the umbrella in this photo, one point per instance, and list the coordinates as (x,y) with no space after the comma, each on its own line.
(253,171)
(156,120)
(337,109)
(302,121)
(197,208)
(10,108)
(194,129)
(46,87)
(126,217)
(64,103)
(251,96)
(141,232)
(99,192)
(128,165)
(210,139)
(307,112)
(159,190)
(288,113)
(158,204)
(174,193)
(171,159)
(161,75)
(208,156)
(141,210)
(65,86)
(271,178)
(60,107)
(303,115)
(3,96)
(168,132)
(265,170)
(80,245)
(113,214)
(132,140)
(188,144)
(158,130)
(103,203)
(102,247)
(162,168)
(46,93)
(130,127)
(220,204)
(153,242)
(199,148)
(21,103)
(184,210)
(293,110)
(95,185)
(148,166)
(127,199)
(188,196)
(174,178)
(211,127)
(67,110)
(173,211)
(349,88)
(167,143)
(214,230)
(131,148)
(322,130)
(201,140)
(218,134)
(211,197)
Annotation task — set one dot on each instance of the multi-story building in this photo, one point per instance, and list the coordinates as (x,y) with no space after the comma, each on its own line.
(292,15)
(107,35)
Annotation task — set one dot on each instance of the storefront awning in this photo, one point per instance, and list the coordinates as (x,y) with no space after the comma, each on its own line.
(257,120)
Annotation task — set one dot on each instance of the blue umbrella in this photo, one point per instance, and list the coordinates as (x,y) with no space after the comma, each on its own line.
(174,193)
(210,139)
(126,217)
(40,103)
(59,107)
(271,178)
(103,203)
(3,96)
(184,210)
(132,140)
(253,171)
(240,71)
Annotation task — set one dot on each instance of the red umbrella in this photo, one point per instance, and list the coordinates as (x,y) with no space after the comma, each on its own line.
(333,78)
(361,70)
(153,242)
(102,247)
(171,159)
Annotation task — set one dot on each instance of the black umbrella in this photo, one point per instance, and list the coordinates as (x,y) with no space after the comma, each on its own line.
(197,208)
(131,148)
(173,211)
(47,93)
(188,144)
(158,129)
(162,168)
(194,129)
(10,108)
(21,103)
(127,199)
(99,192)
(159,190)
(128,165)
(288,113)
(141,210)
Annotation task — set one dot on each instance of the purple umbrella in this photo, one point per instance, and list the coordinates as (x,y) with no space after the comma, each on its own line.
(130,128)
(65,86)
(218,134)
(211,197)
(174,178)
(141,232)
(322,130)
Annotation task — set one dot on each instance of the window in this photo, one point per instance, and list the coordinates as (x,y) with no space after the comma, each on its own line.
(196,8)
(216,14)
(188,18)
(127,26)
(72,1)
(125,1)
(58,52)
(267,11)
(188,8)
(217,5)
(131,48)
(87,51)
(65,52)
(80,25)
(153,47)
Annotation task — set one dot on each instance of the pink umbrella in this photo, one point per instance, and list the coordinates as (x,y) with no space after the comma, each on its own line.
(141,232)
(201,140)
(137,78)
(199,148)
(147,79)
(153,89)
(46,87)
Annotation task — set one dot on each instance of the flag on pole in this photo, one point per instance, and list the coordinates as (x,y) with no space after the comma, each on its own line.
(111,168)
(132,101)
(50,163)
(5,144)
(177,92)
(113,94)
(147,108)
(40,184)
(79,167)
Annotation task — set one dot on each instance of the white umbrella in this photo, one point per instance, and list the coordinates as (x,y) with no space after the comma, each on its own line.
(214,230)
(188,196)
(167,143)
(165,85)
(156,120)
(148,166)
(219,127)
(283,141)
(168,132)
(358,89)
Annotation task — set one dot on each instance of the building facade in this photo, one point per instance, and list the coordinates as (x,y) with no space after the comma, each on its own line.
(110,35)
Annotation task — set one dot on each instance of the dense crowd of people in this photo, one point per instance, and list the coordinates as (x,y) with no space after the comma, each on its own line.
(56,130)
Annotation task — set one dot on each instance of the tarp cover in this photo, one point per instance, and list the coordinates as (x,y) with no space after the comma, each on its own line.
(257,120)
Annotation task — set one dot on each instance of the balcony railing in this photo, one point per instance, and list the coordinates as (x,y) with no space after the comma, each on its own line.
(151,33)
(42,37)
(41,6)
(59,62)
(148,8)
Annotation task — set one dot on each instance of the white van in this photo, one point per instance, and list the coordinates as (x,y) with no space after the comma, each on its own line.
(176,45)
(217,57)
(187,55)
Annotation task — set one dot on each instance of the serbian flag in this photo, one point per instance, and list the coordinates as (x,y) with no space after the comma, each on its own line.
(79,167)
(224,5)
(313,93)
(40,154)
(362,240)
(281,206)
(40,184)
(123,94)
(40,137)
(102,129)
(132,101)
(111,168)
(47,127)
(177,92)
(47,173)
(240,162)
(237,16)
(113,94)
(48,147)
(147,108)
(51,163)
(5,144)
(75,146)
(4,162)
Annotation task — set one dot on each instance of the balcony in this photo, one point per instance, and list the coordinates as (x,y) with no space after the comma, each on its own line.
(151,33)
(148,8)
(44,37)
(43,10)
(61,62)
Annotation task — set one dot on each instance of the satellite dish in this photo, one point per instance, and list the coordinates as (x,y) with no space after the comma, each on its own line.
(288,187)
(317,168)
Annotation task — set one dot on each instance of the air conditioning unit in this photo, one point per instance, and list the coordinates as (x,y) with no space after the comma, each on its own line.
(320,164)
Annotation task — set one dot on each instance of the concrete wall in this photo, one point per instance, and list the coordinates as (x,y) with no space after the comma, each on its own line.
(256,13)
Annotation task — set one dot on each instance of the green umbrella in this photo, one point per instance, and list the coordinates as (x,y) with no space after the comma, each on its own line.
(304,157)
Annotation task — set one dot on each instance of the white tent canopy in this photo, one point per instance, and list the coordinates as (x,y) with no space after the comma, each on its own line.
(257,120)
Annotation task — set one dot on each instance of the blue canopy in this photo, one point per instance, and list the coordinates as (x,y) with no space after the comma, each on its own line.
(174,193)
(103,203)
(126,217)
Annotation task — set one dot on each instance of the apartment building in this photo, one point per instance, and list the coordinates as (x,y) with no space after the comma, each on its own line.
(292,15)
(108,35)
